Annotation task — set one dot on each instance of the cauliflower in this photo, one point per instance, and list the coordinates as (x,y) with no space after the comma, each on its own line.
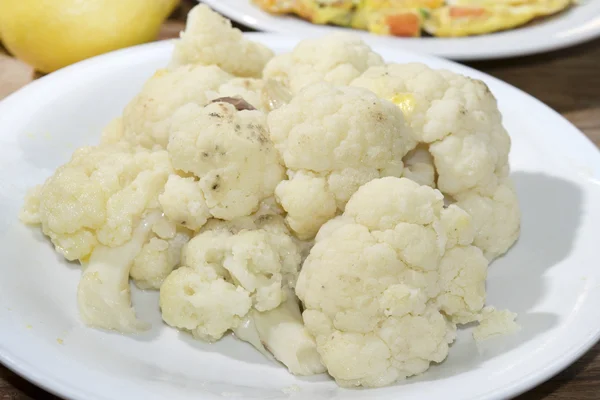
(113,132)
(157,258)
(387,282)
(100,208)
(261,260)
(209,39)
(214,181)
(233,163)
(147,118)
(202,302)
(332,140)
(495,322)
(96,198)
(496,217)
(457,120)
(239,275)
(103,294)
(308,202)
(336,58)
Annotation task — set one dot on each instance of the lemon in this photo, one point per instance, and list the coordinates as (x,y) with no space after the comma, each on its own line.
(50,34)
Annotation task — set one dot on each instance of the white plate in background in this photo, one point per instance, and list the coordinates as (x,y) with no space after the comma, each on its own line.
(574,26)
(551,277)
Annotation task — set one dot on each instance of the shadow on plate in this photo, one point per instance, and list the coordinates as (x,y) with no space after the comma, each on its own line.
(550,216)
(551,208)
(230,347)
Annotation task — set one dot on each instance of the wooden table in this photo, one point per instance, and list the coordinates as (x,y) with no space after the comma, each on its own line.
(566,80)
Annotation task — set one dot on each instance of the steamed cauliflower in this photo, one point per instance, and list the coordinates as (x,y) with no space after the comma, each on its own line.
(209,39)
(333,140)
(496,217)
(336,212)
(96,198)
(336,58)
(262,260)
(147,118)
(102,208)
(113,132)
(457,120)
(157,258)
(388,281)
(231,157)
(494,323)
(239,276)
(203,302)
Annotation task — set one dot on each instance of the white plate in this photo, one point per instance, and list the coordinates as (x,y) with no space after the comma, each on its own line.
(572,27)
(551,277)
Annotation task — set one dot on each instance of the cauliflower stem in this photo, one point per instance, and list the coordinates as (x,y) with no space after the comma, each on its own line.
(103,295)
(282,333)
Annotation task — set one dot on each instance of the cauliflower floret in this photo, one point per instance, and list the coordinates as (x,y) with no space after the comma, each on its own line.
(91,209)
(457,114)
(457,120)
(113,132)
(333,140)
(147,118)
(157,258)
(252,260)
(496,218)
(30,213)
(308,202)
(262,261)
(202,302)
(462,274)
(234,163)
(337,58)
(375,281)
(97,197)
(209,39)
(183,201)
(494,323)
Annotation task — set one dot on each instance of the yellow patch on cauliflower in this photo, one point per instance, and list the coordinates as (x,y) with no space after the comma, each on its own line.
(456,119)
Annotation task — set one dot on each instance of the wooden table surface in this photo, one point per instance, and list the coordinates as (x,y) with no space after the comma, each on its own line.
(566,80)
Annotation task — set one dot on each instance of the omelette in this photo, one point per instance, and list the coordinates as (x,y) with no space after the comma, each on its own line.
(409,18)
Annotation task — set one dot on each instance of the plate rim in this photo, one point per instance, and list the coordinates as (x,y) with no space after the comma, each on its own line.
(64,388)
(459,49)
